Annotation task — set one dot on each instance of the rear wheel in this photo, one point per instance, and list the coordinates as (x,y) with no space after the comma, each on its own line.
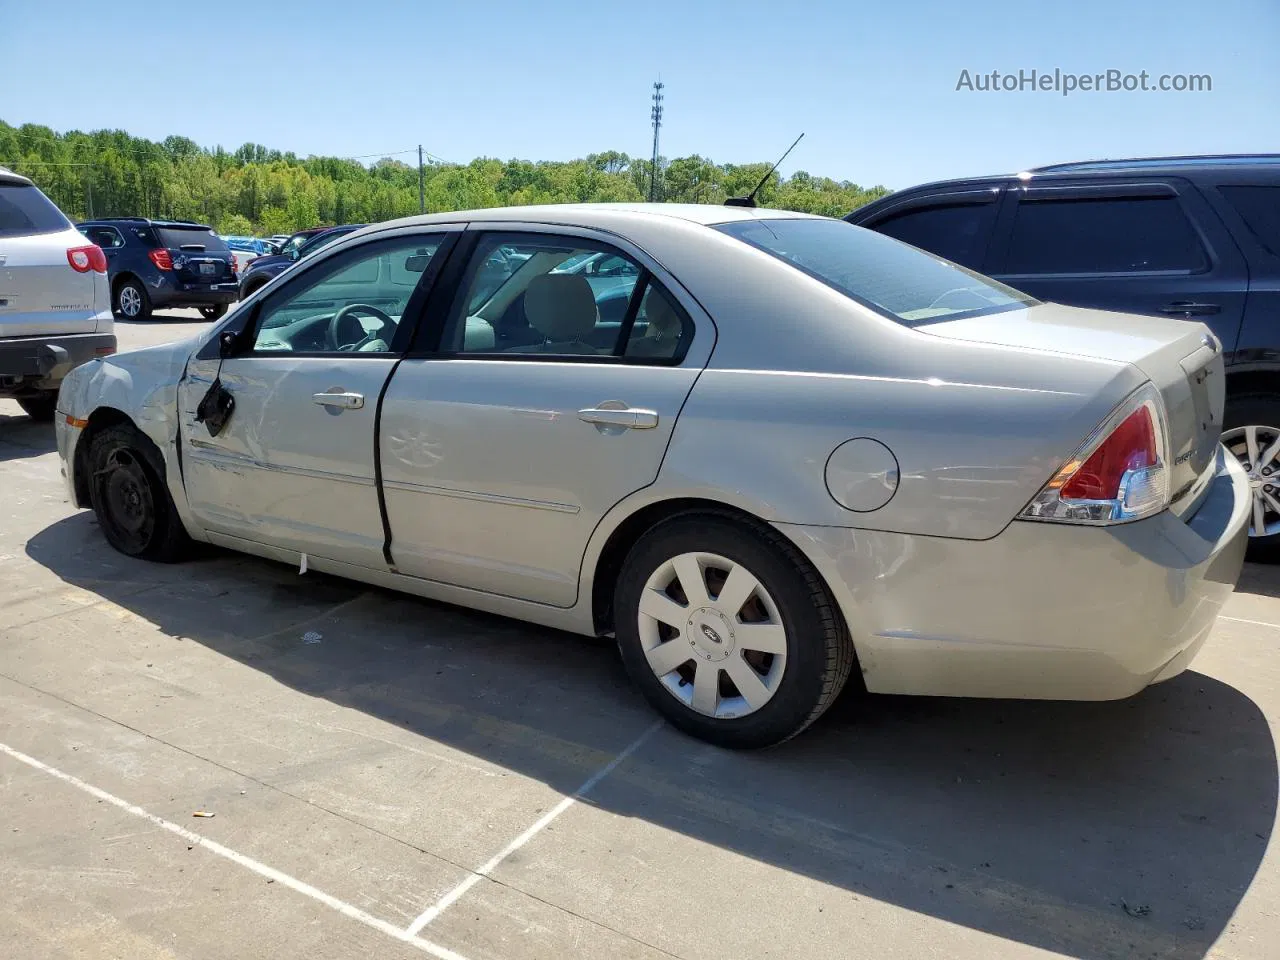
(1252,433)
(729,632)
(128,494)
(131,300)
(41,407)
(216,312)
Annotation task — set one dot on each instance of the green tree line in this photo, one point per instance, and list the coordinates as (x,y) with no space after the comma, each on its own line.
(256,190)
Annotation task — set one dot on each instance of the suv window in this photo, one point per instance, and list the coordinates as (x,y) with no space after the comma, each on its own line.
(179,237)
(958,232)
(105,237)
(902,283)
(1259,208)
(24,210)
(541,296)
(372,283)
(1104,235)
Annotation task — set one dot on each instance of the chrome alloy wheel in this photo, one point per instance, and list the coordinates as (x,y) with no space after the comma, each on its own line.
(1258,450)
(130,300)
(712,635)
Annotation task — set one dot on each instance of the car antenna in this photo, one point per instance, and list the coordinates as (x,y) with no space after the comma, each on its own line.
(750,199)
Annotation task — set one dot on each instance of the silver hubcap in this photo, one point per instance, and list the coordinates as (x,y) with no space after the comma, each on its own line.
(1258,450)
(130,301)
(712,635)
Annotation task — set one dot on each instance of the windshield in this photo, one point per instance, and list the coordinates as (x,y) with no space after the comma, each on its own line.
(179,238)
(892,278)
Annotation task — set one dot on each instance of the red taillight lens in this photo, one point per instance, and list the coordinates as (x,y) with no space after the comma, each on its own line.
(235,264)
(161,259)
(84,259)
(1131,446)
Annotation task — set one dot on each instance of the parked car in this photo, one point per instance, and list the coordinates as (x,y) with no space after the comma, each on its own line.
(55,311)
(165,263)
(300,245)
(1193,237)
(805,453)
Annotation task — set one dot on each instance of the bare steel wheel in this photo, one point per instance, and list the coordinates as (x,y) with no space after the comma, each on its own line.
(1252,434)
(126,488)
(728,631)
(712,634)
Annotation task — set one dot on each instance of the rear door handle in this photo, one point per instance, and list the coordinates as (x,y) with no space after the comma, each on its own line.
(345,401)
(1188,308)
(631,418)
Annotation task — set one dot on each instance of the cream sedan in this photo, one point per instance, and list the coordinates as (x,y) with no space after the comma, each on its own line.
(773,453)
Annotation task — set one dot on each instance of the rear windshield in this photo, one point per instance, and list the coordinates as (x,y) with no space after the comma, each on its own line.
(892,278)
(24,210)
(179,237)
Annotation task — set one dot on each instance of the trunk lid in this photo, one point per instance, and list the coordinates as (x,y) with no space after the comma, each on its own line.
(1181,358)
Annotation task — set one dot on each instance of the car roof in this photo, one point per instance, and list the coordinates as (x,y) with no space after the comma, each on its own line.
(181,224)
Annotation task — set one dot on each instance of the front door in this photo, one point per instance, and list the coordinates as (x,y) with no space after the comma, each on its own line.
(294,465)
(545,401)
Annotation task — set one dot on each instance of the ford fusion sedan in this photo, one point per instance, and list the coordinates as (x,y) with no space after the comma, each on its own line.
(801,455)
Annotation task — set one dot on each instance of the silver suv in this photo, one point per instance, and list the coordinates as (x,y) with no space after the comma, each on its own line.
(55,302)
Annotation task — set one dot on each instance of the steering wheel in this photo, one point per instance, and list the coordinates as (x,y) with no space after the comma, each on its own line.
(335,326)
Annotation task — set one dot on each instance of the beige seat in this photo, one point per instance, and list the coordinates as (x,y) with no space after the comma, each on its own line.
(663,328)
(562,308)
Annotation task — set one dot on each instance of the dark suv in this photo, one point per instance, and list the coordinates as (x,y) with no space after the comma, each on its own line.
(1194,237)
(164,263)
(301,244)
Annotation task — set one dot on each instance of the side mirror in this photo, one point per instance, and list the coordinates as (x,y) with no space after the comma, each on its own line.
(293,254)
(228,344)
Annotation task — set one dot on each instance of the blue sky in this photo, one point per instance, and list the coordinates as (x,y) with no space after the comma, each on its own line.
(873,86)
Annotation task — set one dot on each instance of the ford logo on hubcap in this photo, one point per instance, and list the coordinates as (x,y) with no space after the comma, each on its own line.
(711,634)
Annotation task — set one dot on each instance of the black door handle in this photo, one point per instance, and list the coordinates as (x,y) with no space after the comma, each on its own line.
(1188,308)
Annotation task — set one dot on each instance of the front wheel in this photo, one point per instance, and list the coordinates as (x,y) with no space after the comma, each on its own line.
(216,312)
(1251,432)
(127,490)
(729,632)
(40,407)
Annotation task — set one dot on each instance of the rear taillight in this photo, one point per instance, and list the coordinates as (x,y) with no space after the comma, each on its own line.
(84,259)
(235,264)
(160,257)
(1119,474)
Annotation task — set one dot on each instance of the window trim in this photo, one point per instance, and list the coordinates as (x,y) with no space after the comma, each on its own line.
(427,344)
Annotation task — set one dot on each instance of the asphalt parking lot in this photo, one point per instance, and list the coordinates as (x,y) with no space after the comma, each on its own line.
(390,777)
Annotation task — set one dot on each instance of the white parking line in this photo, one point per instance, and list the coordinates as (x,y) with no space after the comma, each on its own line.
(195,839)
(452,897)
(1256,623)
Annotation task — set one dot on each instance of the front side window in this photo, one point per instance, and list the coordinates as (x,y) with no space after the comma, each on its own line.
(898,281)
(24,211)
(1103,235)
(542,296)
(352,305)
(955,232)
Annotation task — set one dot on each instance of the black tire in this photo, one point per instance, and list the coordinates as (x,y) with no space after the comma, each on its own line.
(127,490)
(249,289)
(819,652)
(1259,410)
(40,408)
(216,312)
(129,291)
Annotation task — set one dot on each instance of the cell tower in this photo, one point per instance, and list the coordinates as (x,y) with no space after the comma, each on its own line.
(656,113)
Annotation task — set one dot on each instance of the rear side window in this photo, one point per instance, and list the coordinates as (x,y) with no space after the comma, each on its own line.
(105,237)
(902,283)
(179,237)
(24,210)
(957,232)
(1105,235)
(1259,208)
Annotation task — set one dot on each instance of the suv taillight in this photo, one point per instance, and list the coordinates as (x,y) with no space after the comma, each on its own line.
(160,257)
(235,263)
(1119,474)
(84,259)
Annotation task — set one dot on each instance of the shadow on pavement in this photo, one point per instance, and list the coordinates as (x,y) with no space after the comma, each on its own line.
(1097,830)
(21,437)
(1262,579)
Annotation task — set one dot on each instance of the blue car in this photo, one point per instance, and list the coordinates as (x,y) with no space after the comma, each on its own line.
(164,263)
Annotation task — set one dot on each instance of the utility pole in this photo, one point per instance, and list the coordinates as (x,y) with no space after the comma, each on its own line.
(422,203)
(656,114)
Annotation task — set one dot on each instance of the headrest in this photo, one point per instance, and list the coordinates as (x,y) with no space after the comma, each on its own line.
(560,306)
(663,321)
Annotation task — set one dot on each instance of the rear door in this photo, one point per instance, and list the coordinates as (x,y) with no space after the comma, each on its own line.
(1150,246)
(507,437)
(40,294)
(1250,204)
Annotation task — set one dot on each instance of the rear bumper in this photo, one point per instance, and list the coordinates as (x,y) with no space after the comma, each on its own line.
(39,363)
(1043,610)
(172,292)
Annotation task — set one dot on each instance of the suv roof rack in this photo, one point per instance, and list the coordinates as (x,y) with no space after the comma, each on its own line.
(1175,161)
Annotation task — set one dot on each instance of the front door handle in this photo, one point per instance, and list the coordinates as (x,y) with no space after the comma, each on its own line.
(344,401)
(1188,308)
(628,417)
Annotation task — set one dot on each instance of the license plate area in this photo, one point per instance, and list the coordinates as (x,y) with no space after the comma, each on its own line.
(208,269)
